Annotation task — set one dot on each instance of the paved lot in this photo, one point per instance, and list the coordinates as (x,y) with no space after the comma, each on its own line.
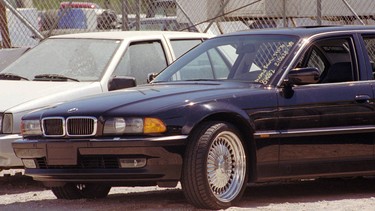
(19,192)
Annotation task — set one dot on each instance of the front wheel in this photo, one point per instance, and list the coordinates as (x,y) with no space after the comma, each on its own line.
(78,191)
(214,169)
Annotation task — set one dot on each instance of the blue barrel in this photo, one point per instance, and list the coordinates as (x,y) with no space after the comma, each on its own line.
(74,18)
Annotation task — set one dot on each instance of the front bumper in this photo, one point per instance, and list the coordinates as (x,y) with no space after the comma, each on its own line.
(7,157)
(58,161)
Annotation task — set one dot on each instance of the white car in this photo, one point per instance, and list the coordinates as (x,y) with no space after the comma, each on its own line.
(68,67)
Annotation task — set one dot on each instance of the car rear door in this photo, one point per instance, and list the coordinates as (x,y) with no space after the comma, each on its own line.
(326,128)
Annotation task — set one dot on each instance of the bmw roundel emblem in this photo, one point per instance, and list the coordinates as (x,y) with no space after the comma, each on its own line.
(72,110)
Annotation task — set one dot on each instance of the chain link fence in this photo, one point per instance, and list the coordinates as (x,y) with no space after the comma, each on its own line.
(26,22)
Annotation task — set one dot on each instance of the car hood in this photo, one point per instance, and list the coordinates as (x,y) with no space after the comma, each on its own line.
(25,95)
(149,99)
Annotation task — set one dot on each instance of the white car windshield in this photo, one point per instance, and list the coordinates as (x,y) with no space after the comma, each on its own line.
(252,58)
(64,59)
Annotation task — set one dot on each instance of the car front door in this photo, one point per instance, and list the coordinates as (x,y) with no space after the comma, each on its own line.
(368,41)
(326,128)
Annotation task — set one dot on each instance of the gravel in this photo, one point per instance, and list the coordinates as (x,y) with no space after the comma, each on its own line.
(19,192)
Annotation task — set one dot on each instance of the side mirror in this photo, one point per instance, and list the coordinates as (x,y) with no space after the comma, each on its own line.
(301,76)
(121,82)
(151,76)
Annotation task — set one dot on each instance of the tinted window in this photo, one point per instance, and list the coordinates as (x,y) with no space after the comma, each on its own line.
(182,46)
(316,61)
(253,58)
(209,65)
(333,58)
(370,47)
(141,59)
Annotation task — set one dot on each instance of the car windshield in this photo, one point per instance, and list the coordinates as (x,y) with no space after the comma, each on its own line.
(77,59)
(253,58)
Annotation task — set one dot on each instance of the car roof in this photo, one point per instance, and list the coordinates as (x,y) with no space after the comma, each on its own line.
(303,31)
(133,34)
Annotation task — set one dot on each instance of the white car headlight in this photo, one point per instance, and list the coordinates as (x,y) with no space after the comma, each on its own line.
(31,127)
(7,125)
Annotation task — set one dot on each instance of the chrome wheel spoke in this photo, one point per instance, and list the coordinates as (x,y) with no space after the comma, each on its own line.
(226,166)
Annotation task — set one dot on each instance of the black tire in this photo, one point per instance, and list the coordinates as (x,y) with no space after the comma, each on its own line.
(72,191)
(215,170)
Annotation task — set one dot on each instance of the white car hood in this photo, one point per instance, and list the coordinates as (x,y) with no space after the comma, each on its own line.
(16,93)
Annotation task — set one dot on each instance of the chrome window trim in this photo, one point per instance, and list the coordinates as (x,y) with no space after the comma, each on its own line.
(63,126)
(82,117)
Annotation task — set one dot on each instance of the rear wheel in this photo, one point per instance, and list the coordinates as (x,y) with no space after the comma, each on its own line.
(78,191)
(215,170)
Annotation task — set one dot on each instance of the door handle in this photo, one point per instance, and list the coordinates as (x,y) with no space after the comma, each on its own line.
(362,99)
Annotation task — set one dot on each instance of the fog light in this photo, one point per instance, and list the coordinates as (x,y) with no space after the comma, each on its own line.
(132,162)
(29,163)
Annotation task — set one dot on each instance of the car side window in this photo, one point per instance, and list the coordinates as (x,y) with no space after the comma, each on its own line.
(316,61)
(182,46)
(370,47)
(333,58)
(140,59)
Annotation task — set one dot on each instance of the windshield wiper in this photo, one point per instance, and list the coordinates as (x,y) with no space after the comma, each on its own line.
(11,76)
(53,77)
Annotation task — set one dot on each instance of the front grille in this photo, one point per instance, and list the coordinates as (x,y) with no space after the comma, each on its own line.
(53,127)
(84,162)
(72,126)
(81,126)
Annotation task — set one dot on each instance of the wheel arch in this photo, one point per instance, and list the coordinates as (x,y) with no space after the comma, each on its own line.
(244,126)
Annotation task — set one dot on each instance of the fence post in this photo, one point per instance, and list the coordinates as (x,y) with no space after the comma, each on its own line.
(4,27)
(285,23)
(138,15)
(35,31)
(319,12)
(125,12)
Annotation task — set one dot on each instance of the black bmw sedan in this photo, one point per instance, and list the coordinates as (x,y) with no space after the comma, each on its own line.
(243,108)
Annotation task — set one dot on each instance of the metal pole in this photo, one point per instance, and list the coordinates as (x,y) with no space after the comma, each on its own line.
(22,19)
(138,15)
(125,12)
(213,20)
(6,42)
(354,13)
(184,12)
(319,12)
(285,23)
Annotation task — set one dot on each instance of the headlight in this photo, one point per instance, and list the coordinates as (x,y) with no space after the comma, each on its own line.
(117,126)
(1,123)
(153,125)
(7,125)
(31,127)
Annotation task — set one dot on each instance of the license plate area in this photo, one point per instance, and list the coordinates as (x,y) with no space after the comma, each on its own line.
(61,154)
